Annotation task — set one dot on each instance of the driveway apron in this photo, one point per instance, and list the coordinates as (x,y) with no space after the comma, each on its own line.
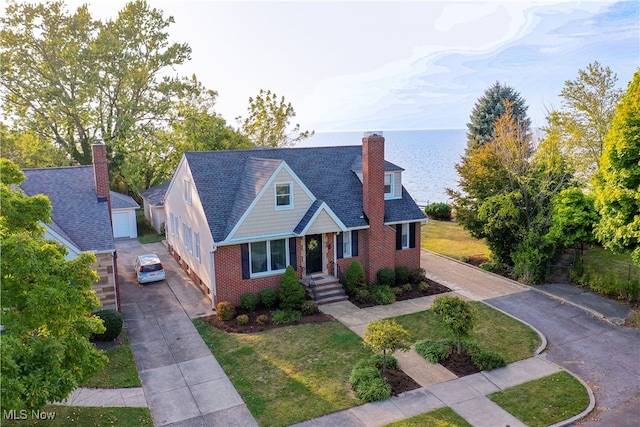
(182,381)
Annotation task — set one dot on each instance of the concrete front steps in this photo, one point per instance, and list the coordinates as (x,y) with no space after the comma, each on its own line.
(327,288)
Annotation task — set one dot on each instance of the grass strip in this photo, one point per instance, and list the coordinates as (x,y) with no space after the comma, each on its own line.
(443,417)
(290,374)
(450,239)
(493,331)
(80,416)
(544,401)
(120,371)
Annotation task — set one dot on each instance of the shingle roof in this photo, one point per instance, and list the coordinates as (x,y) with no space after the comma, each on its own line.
(219,178)
(155,195)
(76,211)
(122,201)
(307,216)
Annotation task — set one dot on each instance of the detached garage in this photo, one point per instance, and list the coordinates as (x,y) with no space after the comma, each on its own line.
(123,216)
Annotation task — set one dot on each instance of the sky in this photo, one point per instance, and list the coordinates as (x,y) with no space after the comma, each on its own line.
(385,65)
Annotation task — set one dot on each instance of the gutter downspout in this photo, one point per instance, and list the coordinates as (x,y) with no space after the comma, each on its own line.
(212,279)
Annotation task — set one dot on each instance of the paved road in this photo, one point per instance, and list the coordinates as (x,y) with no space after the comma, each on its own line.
(607,357)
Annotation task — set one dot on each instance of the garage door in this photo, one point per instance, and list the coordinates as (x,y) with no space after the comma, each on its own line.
(121,224)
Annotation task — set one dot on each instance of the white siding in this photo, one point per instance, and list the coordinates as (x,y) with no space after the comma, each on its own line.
(323,224)
(397,184)
(124,223)
(264,219)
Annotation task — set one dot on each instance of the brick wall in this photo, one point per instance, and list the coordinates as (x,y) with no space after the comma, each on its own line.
(410,258)
(106,285)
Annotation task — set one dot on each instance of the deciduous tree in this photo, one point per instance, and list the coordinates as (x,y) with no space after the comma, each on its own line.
(617,185)
(46,305)
(457,315)
(386,336)
(268,121)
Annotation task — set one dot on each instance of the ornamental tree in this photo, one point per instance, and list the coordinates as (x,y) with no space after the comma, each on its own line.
(46,304)
(386,336)
(617,185)
(457,315)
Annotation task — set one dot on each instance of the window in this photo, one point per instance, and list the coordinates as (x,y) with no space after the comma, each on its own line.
(196,244)
(184,234)
(187,191)
(405,236)
(388,185)
(284,197)
(171,219)
(267,257)
(347,244)
(189,240)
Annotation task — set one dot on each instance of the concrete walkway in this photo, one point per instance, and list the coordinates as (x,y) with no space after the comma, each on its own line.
(183,383)
(107,397)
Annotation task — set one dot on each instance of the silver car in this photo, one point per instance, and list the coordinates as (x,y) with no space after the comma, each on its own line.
(149,268)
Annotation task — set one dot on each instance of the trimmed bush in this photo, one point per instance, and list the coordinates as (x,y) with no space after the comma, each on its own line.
(488,360)
(367,383)
(249,301)
(282,317)
(386,277)
(291,291)
(398,291)
(269,298)
(242,320)
(262,319)
(433,351)
(355,278)
(439,211)
(423,286)
(362,372)
(309,308)
(407,287)
(489,266)
(363,295)
(402,275)
(112,323)
(417,275)
(383,295)
(225,310)
(378,360)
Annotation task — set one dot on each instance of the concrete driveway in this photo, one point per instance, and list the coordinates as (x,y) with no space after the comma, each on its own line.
(183,383)
(607,357)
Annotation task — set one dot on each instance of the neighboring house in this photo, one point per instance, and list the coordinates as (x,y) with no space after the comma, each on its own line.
(123,216)
(238,218)
(81,215)
(153,202)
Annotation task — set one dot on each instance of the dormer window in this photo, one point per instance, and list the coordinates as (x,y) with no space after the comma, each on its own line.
(284,195)
(388,185)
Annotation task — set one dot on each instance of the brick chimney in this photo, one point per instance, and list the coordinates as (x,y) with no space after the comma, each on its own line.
(101,172)
(380,244)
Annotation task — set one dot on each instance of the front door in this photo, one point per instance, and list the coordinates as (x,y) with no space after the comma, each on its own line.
(313,251)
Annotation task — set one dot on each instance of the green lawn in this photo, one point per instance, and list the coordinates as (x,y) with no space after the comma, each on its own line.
(84,416)
(120,371)
(146,234)
(290,374)
(493,331)
(544,401)
(450,239)
(443,417)
(599,260)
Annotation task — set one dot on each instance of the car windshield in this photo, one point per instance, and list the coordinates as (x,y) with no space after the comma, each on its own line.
(151,267)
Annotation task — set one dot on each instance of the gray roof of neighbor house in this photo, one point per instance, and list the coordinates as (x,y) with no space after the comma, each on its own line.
(228,181)
(155,195)
(76,212)
(122,201)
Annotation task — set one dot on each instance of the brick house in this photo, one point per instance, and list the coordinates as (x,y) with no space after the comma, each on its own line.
(82,215)
(236,219)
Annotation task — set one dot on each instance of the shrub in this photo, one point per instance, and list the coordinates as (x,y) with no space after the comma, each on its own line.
(433,351)
(382,295)
(362,372)
(488,360)
(402,275)
(378,360)
(407,287)
(439,211)
(112,323)
(417,275)
(249,301)
(363,295)
(225,310)
(309,308)
(374,389)
(464,258)
(489,266)
(243,319)
(355,278)
(281,317)
(631,289)
(291,291)
(423,286)
(269,297)
(262,319)
(386,336)
(386,276)
(397,291)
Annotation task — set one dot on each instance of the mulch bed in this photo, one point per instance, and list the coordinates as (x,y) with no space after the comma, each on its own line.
(399,381)
(460,364)
(231,326)
(435,288)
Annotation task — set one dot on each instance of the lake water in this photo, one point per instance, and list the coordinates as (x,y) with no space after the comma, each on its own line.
(427,156)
